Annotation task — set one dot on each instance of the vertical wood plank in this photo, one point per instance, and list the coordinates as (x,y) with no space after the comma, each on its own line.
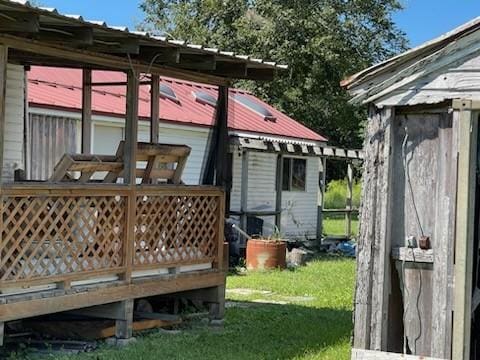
(86,111)
(468,128)
(154,108)
(443,237)
(381,277)
(371,247)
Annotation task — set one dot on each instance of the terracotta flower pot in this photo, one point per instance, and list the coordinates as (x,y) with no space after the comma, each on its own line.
(266,254)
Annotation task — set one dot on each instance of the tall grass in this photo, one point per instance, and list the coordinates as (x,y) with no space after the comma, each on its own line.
(336,194)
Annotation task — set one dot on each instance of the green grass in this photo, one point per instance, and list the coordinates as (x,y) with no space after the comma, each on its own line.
(317,326)
(336,226)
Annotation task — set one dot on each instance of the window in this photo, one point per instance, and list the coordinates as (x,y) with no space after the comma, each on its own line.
(294,174)
(255,106)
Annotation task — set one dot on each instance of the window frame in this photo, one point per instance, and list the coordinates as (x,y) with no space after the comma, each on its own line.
(291,160)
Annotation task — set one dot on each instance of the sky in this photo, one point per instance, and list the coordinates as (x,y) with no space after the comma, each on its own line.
(421,20)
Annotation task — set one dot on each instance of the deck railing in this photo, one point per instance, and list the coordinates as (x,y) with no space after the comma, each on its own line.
(60,233)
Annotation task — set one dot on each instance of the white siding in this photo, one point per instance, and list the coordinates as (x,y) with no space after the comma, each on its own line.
(195,138)
(14,125)
(299,208)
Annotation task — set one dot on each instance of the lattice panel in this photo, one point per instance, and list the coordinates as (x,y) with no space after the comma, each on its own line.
(52,236)
(175,229)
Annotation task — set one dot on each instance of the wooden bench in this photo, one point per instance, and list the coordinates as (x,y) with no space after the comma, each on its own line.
(163,164)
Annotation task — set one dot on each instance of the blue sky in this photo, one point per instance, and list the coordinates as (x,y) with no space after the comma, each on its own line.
(422,20)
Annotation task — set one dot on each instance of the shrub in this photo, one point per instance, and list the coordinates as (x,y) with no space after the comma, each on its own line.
(336,194)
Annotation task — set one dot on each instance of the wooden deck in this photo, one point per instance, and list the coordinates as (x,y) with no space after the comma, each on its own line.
(66,246)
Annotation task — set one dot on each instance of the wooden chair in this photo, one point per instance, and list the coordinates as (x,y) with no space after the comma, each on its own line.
(87,165)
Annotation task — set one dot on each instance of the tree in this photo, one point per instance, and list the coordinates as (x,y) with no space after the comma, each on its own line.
(322,41)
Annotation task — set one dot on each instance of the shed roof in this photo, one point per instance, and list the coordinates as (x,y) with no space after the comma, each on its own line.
(377,80)
(21,20)
(61,88)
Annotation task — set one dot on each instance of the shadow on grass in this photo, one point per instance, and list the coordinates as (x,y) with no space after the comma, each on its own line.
(252,331)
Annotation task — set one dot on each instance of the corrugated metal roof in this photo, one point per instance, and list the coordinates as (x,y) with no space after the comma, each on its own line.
(61,88)
(421,50)
(55,17)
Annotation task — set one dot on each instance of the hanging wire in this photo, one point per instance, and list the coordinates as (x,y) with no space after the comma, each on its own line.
(417,217)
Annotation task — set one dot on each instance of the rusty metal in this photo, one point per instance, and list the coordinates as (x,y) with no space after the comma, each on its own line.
(424,242)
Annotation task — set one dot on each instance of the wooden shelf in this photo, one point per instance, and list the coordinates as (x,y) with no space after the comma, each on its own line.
(413,254)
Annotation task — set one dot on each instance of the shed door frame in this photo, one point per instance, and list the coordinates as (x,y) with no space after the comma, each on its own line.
(464,226)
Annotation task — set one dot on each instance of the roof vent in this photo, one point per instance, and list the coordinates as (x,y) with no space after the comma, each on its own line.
(205,98)
(255,106)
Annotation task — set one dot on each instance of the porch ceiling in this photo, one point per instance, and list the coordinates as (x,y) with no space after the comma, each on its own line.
(24,28)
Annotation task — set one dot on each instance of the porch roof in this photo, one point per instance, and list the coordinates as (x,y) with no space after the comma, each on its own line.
(34,26)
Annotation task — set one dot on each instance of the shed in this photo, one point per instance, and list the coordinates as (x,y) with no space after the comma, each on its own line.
(417,289)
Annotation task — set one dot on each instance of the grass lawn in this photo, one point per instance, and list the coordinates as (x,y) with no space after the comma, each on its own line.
(336,226)
(294,314)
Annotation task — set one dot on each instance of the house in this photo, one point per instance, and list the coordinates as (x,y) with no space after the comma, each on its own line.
(187,113)
(102,231)
(418,265)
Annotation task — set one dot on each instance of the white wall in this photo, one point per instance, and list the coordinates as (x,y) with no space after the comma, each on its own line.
(299,208)
(14,125)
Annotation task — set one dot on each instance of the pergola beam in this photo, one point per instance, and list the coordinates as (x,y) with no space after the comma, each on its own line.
(154,108)
(19,21)
(86,111)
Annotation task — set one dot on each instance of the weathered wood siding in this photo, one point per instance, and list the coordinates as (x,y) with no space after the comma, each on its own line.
(15,117)
(388,218)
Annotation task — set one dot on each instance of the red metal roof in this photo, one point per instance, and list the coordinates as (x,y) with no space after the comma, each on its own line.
(61,88)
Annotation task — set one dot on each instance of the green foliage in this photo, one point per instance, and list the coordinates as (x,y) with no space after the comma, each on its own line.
(336,194)
(322,41)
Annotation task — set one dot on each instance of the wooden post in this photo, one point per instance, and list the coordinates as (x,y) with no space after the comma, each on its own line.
(214,171)
(348,214)
(154,108)
(324,180)
(222,142)
(3,89)
(320,198)
(464,233)
(244,191)
(124,322)
(130,165)
(278,197)
(131,128)
(86,111)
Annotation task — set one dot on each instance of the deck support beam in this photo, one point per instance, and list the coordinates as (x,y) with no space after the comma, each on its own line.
(123,325)
(86,111)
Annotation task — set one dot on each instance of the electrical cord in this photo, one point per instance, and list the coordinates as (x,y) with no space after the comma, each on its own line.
(417,217)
